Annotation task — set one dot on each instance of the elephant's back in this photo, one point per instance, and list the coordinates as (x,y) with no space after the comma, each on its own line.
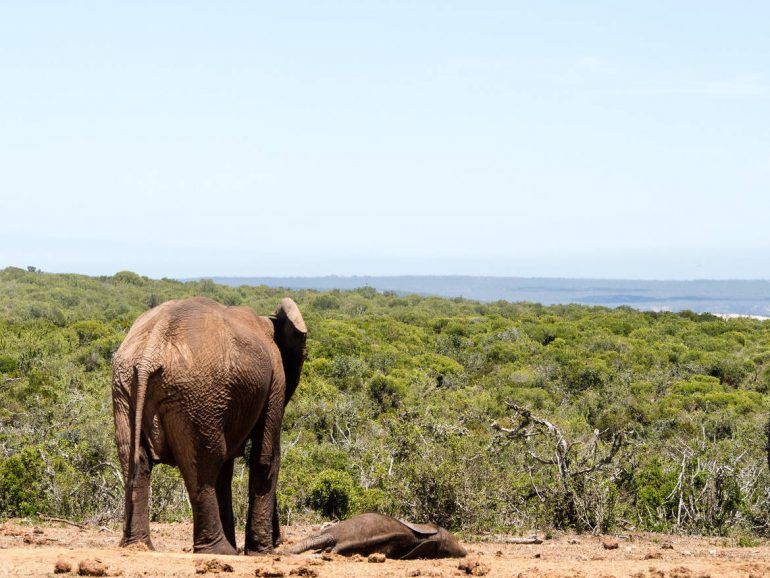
(156,325)
(194,335)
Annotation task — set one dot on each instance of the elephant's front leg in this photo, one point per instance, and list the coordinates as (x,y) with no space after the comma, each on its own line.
(263,478)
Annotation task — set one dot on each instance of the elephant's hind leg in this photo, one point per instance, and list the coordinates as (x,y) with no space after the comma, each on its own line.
(225,501)
(201,482)
(200,466)
(136,517)
(136,527)
(262,531)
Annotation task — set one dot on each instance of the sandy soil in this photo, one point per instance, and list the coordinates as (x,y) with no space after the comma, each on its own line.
(28,550)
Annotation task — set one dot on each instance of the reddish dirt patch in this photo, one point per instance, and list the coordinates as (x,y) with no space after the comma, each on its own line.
(566,556)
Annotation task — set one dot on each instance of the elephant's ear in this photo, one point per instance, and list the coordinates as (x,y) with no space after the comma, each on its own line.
(422,529)
(290,336)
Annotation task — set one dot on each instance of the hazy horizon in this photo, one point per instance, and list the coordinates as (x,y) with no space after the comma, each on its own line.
(738,297)
(109,272)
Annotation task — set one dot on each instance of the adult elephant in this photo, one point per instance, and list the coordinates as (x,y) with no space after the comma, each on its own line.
(193,381)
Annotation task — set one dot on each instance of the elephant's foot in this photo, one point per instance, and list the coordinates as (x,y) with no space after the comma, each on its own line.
(259,545)
(259,551)
(220,547)
(135,542)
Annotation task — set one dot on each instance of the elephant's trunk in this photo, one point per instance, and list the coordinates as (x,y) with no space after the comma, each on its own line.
(317,542)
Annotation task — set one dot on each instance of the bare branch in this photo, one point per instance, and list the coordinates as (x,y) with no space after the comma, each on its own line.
(62,520)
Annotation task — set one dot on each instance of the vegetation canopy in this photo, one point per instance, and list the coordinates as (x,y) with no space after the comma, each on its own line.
(477,417)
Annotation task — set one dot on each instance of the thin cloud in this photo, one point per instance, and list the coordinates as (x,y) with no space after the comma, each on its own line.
(585,69)
(739,87)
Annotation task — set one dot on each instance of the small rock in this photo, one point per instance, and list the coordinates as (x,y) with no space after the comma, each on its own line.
(573,541)
(680,572)
(62,567)
(357,558)
(666,546)
(474,567)
(212,566)
(499,554)
(415,572)
(37,530)
(303,571)
(610,544)
(327,556)
(37,540)
(713,552)
(8,530)
(263,572)
(187,549)
(93,567)
(655,573)
(538,555)
(376,558)
(651,555)
(686,553)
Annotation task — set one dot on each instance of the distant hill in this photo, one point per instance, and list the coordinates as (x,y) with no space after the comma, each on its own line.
(728,297)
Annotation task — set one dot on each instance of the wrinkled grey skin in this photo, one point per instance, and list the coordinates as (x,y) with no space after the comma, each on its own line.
(370,533)
(192,382)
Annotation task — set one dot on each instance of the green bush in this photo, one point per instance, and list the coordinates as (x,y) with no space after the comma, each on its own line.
(386,391)
(8,364)
(129,278)
(369,500)
(22,486)
(331,493)
(400,392)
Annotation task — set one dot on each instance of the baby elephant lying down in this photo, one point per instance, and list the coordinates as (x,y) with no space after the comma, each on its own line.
(370,533)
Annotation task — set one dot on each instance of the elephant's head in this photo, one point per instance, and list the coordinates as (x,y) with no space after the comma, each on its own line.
(435,542)
(290,336)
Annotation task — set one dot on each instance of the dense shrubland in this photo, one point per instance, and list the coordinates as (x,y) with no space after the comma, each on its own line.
(480,417)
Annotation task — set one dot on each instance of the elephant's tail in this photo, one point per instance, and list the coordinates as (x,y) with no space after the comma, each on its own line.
(317,542)
(143,373)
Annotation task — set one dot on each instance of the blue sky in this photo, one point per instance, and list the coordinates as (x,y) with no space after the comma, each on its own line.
(585,139)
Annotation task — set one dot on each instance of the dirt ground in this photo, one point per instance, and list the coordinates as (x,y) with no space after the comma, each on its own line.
(34,550)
